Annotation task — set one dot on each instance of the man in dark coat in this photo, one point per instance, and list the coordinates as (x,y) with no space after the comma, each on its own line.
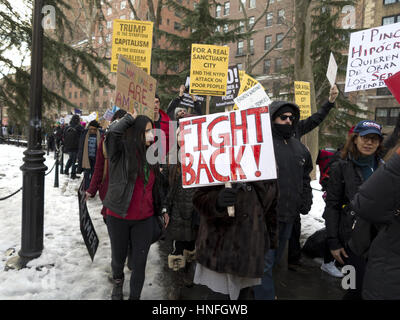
(303,127)
(72,135)
(294,166)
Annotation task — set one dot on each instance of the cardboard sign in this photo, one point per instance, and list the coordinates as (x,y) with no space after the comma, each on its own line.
(87,229)
(393,84)
(303,98)
(232,147)
(135,89)
(232,89)
(134,40)
(209,69)
(332,70)
(374,55)
(254,97)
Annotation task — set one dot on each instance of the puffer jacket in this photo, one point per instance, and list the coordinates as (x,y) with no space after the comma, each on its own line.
(237,245)
(294,166)
(179,205)
(120,187)
(344,182)
(378,202)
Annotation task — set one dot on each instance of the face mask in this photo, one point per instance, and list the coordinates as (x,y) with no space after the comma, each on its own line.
(283,130)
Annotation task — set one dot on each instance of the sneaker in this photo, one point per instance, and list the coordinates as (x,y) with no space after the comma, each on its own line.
(331,269)
(117,293)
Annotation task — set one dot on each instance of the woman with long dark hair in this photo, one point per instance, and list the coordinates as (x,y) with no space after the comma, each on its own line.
(133,199)
(359,158)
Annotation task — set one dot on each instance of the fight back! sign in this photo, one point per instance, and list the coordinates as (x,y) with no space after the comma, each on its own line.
(374,55)
(231,147)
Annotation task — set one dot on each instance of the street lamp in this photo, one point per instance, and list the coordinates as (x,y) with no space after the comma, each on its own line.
(33,168)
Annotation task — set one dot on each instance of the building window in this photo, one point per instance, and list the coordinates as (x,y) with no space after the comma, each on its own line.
(218,11)
(123,5)
(281,16)
(390,20)
(108,37)
(226,28)
(123,17)
(267,43)
(239,48)
(244,4)
(104,104)
(279,37)
(100,40)
(267,66)
(383,92)
(278,65)
(70,95)
(241,26)
(251,21)
(109,11)
(109,24)
(132,15)
(75,94)
(390,1)
(251,49)
(177,26)
(227,7)
(80,94)
(270,17)
(387,116)
(252,4)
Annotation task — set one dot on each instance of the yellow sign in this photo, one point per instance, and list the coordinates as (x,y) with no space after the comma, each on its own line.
(132,39)
(302,98)
(135,89)
(209,70)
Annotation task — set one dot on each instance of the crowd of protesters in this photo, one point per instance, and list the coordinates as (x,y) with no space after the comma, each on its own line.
(235,256)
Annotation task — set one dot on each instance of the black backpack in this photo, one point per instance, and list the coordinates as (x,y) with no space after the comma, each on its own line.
(71,138)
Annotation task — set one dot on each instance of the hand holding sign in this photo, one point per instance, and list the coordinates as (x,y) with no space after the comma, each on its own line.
(332,70)
(333,93)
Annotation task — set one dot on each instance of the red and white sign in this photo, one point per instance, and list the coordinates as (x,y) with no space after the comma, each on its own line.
(225,147)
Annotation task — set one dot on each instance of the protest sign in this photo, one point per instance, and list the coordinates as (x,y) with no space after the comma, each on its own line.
(209,69)
(108,115)
(254,97)
(246,83)
(232,147)
(302,95)
(132,39)
(393,84)
(232,89)
(332,70)
(187,101)
(135,89)
(374,55)
(87,228)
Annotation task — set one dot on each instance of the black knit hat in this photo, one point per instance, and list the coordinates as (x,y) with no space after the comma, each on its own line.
(282,110)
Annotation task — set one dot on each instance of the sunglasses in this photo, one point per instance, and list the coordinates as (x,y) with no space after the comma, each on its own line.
(283,117)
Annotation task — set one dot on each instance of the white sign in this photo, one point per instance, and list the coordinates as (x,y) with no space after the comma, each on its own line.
(332,70)
(108,115)
(254,97)
(231,147)
(374,55)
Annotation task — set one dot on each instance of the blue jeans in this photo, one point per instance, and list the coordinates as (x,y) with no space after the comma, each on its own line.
(266,291)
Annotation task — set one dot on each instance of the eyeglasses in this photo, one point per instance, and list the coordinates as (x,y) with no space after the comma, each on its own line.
(373,138)
(283,117)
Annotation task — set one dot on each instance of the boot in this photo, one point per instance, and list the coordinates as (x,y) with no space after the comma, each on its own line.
(74,176)
(117,293)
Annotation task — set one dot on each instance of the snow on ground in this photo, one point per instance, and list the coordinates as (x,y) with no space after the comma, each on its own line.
(74,275)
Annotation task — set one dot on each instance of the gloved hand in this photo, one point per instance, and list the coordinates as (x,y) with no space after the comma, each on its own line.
(226,198)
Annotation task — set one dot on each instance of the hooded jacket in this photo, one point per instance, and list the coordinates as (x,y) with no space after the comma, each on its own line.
(294,166)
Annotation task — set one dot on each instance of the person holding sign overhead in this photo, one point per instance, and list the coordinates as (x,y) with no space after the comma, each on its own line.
(295,195)
(133,199)
(175,111)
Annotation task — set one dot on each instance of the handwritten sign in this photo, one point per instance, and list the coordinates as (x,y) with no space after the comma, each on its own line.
(234,146)
(302,95)
(108,115)
(254,97)
(233,87)
(332,70)
(134,40)
(135,89)
(86,225)
(374,55)
(209,70)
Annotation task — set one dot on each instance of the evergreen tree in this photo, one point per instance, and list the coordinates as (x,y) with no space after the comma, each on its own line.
(329,36)
(202,28)
(61,60)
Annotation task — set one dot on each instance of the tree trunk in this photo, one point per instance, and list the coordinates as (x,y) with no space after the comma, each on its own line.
(303,67)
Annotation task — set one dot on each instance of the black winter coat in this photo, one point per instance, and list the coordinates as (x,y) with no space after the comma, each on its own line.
(378,202)
(294,167)
(72,135)
(237,245)
(344,182)
(120,187)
